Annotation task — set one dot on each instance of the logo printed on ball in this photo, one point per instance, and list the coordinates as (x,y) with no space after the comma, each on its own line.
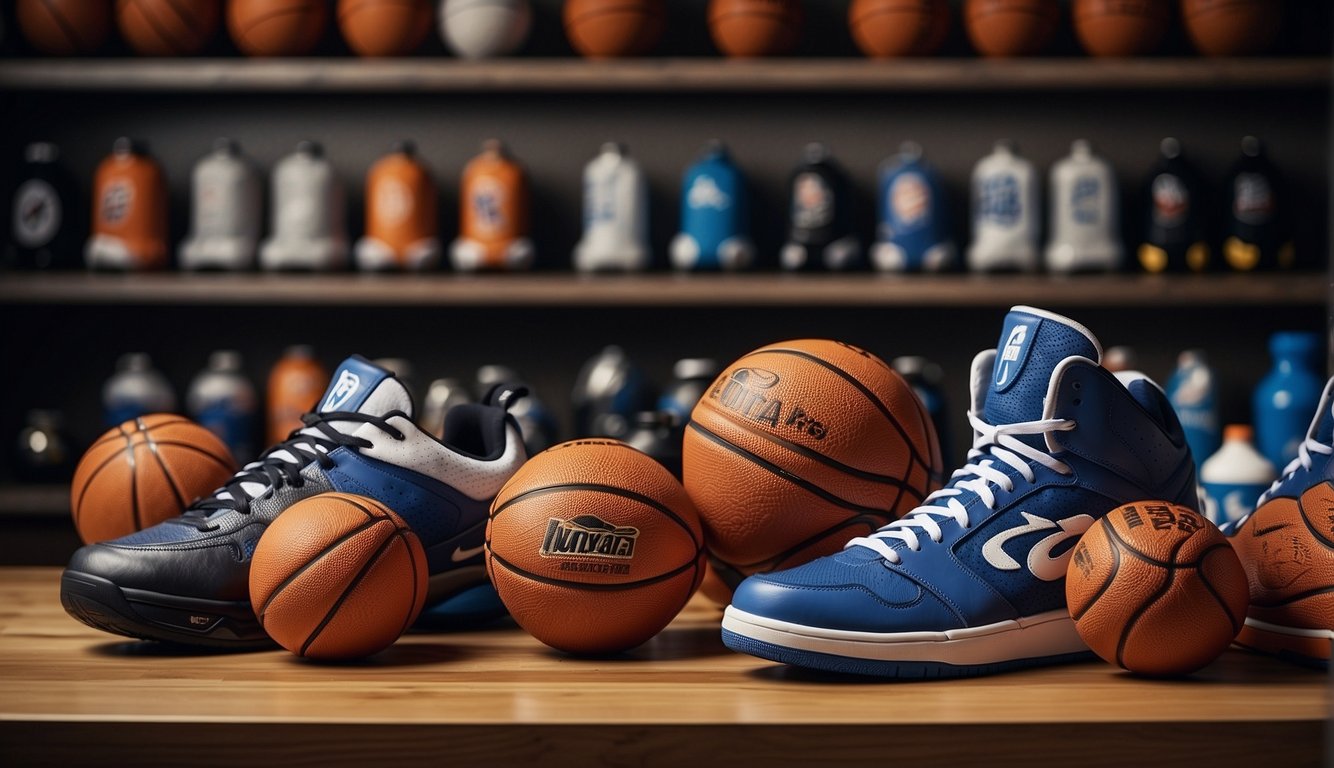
(588,536)
(745,392)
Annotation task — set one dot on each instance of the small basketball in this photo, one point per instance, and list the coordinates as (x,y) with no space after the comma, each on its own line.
(1121,27)
(888,28)
(594,547)
(1232,27)
(753,28)
(612,28)
(277,27)
(167,27)
(800,446)
(385,27)
(64,27)
(143,472)
(337,577)
(1156,589)
(1011,27)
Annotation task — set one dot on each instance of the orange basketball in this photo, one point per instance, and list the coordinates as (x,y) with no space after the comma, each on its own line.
(143,472)
(800,446)
(751,28)
(1156,589)
(611,28)
(64,27)
(1121,27)
(337,576)
(1011,27)
(168,27)
(889,28)
(385,27)
(1232,27)
(594,547)
(277,27)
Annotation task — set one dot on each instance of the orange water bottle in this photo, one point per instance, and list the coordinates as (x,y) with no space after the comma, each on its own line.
(401,222)
(129,211)
(295,385)
(493,214)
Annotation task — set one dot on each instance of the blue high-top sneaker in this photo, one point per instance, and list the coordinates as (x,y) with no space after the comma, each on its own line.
(186,580)
(973,581)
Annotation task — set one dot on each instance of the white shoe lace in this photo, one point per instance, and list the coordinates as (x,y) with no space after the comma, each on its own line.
(994,443)
(1303,461)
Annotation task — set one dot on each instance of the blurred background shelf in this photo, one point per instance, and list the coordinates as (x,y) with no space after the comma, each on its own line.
(44,500)
(560,75)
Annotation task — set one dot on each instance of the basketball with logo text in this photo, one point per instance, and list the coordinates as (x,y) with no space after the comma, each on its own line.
(594,547)
(800,446)
(1156,589)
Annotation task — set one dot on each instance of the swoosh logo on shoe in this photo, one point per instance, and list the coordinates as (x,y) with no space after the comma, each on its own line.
(460,554)
(1040,561)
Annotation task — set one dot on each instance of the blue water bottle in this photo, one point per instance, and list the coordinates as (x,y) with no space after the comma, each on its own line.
(1194,396)
(913,233)
(715,218)
(1235,476)
(136,389)
(1287,395)
(222,399)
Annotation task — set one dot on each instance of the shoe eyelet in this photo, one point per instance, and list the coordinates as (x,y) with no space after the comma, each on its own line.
(1076,401)
(1077,385)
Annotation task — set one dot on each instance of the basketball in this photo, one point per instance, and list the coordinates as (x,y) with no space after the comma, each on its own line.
(611,28)
(479,29)
(1156,589)
(1232,27)
(1287,571)
(168,27)
(800,446)
(1121,27)
(64,27)
(752,28)
(1011,27)
(337,577)
(277,27)
(385,27)
(143,472)
(594,547)
(887,28)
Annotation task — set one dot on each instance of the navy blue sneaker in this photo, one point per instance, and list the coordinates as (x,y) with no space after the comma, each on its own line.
(187,580)
(973,581)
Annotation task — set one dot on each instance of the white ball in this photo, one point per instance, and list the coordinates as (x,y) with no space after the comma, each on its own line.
(479,29)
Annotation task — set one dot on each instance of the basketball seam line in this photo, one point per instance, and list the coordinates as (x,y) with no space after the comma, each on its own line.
(1116,567)
(778,558)
(109,438)
(402,534)
(1301,512)
(70,30)
(860,474)
(83,491)
(507,565)
(228,464)
(1294,598)
(256,20)
(1236,624)
(352,585)
(285,583)
(614,491)
(175,489)
(872,397)
(1139,612)
(134,475)
(164,34)
(780,472)
(1153,561)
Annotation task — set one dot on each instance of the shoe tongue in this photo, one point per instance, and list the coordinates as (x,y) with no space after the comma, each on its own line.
(361,386)
(1032,343)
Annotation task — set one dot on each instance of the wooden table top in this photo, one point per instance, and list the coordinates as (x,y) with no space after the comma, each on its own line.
(55,672)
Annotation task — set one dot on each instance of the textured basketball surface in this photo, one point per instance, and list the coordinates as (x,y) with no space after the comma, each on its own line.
(887,28)
(1232,27)
(1011,27)
(1287,549)
(168,27)
(610,28)
(1121,27)
(798,447)
(385,27)
(337,577)
(1156,589)
(143,472)
(64,27)
(594,547)
(277,27)
(749,28)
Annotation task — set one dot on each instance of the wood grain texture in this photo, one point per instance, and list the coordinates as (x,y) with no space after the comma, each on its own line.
(498,697)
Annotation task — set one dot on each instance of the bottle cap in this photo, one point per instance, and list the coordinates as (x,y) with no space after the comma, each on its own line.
(225,361)
(1081,148)
(1171,148)
(312,148)
(910,150)
(404,147)
(135,362)
(1250,146)
(695,368)
(301,351)
(1191,357)
(614,148)
(1300,343)
(1238,433)
(1006,147)
(228,147)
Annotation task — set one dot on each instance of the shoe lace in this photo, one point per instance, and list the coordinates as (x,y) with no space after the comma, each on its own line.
(992,444)
(281,465)
(1303,461)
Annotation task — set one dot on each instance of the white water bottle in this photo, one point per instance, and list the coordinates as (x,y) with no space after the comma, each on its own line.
(1085,221)
(1235,476)
(226,211)
(615,214)
(309,214)
(1005,213)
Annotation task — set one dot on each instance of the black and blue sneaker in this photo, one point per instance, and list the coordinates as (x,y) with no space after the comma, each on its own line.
(186,580)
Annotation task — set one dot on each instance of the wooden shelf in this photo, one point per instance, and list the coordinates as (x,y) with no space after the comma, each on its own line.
(72,695)
(664,290)
(436,75)
(34,500)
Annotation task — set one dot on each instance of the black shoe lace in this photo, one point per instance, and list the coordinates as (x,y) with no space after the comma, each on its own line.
(275,471)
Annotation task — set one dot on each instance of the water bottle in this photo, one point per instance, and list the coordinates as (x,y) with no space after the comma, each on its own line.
(309,214)
(226,212)
(691,378)
(1234,476)
(1288,395)
(1085,221)
(1174,236)
(493,215)
(129,211)
(1256,236)
(295,385)
(223,400)
(1194,396)
(616,214)
(715,217)
(47,223)
(913,234)
(135,389)
(401,220)
(821,231)
(1005,213)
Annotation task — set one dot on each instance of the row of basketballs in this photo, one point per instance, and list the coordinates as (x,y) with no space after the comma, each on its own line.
(613,28)
(914,232)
